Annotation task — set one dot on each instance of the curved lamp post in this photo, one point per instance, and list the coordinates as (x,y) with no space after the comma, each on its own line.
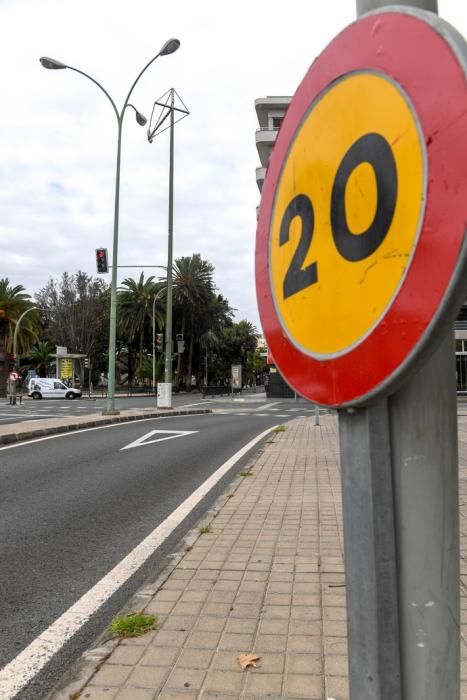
(15,342)
(169,47)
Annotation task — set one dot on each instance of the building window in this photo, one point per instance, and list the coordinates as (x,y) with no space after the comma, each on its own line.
(459,347)
(276,122)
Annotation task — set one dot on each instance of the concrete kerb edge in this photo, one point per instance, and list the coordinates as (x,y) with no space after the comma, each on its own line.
(8,438)
(77,677)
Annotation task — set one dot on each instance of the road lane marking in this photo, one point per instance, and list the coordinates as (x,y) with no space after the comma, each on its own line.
(22,669)
(97,427)
(143,440)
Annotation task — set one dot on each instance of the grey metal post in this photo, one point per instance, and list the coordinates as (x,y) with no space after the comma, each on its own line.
(370,557)
(423,432)
(168,323)
(154,346)
(367,5)
(113,283)
(400,484)
(316,414)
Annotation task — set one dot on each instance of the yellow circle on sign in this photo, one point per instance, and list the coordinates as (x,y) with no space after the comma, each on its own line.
(333,279)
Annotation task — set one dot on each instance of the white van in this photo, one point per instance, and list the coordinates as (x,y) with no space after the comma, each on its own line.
(40,388)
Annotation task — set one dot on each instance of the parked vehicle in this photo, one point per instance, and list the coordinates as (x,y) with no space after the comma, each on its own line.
(40,388)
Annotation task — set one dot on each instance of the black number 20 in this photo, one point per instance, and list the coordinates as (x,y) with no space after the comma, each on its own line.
(375,150)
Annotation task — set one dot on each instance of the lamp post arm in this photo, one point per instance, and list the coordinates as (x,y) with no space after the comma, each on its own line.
(125,104)
(18,322)
(86,75)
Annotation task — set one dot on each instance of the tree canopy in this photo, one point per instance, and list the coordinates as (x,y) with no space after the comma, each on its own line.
(75,312)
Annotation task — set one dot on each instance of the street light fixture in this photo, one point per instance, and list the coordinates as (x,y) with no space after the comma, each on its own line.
(167,103)
(15,340)
(52,64)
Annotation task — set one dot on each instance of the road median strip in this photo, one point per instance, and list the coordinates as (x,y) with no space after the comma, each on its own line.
(7,435)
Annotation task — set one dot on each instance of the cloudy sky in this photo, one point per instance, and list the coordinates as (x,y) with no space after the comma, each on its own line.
(58,132)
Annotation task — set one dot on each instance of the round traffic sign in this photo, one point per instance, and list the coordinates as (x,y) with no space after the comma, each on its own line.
(361,225)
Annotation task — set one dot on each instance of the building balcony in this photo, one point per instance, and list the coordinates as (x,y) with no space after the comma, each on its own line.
(265,140)
(260,175)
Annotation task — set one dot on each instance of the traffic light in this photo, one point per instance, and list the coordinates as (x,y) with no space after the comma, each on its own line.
(159,342)
(101,260)
(180,343)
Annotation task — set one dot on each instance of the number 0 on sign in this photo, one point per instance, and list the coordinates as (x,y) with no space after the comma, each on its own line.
(361,227)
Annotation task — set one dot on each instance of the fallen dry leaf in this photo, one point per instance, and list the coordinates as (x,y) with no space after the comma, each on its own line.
(245,660)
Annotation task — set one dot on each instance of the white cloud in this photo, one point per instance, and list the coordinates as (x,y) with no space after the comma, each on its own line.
(58,133)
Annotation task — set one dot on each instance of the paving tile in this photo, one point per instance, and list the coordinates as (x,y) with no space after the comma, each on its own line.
(203,640)
(195,658)
(148,677)
(304,663)
(270,683)
(266,643)
(126,655)
(169,638)
(99,693)
(210,624)
(224,682)
(135,694)
(240,643)
(159,656)
(304,686)
(111,675)
(186,678)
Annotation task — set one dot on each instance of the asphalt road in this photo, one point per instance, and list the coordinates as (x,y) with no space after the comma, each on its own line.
(31,410)
(72,507)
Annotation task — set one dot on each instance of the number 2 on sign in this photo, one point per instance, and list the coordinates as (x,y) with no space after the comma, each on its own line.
(375,150)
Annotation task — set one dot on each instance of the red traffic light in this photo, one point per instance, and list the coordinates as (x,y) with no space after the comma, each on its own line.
(101,260)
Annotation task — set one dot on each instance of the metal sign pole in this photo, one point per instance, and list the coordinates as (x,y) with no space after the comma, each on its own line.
(370,554)
(400,497)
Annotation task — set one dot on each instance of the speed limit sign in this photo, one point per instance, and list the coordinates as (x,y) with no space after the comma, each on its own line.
(360,254)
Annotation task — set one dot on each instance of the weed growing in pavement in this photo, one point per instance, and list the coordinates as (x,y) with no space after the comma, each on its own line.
(246,473)
(133,625)
(279,429)
(204,530)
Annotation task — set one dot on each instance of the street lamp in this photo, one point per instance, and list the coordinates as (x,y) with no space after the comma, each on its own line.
(15,341)
(169,47)
(168,108)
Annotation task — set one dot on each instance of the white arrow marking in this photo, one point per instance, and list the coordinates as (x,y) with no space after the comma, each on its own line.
(169,435)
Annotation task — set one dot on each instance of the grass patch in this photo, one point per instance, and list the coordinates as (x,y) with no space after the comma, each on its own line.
(246,473)
(279,429)
(204,530)
(133,625)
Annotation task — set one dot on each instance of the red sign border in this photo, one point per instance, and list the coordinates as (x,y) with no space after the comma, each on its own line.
(434,80)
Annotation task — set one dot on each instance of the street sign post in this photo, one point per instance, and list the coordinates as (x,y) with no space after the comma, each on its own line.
(360,271)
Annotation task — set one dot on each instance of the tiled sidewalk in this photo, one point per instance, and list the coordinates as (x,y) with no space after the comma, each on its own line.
(268,578)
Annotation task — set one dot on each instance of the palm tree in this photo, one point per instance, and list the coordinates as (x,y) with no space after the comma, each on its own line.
(211,327)
(13,302)
(41,357)
(135,304)
(192,289)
